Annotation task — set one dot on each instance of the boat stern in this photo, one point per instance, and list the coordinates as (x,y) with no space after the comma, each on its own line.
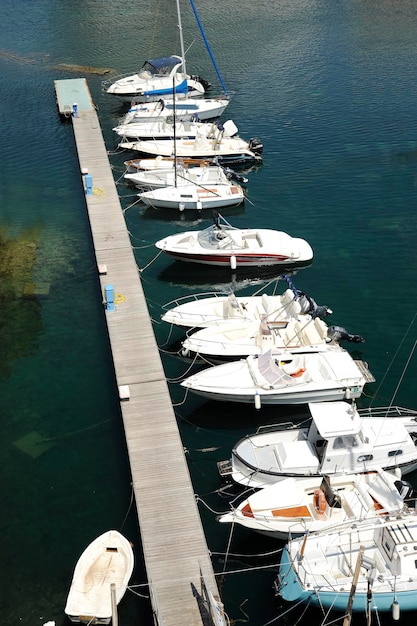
(287,584)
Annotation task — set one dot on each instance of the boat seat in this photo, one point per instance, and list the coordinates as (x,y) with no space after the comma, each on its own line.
(287,296)
(231,306)
(296,454)
(266,303)
(320,372)
(309,335)
(294,309)
(321,328)
(290,334)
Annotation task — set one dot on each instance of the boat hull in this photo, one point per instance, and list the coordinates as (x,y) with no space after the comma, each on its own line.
(225,260)
(290,589)
(184,197)
(186,109)
(282,397)
(152,92)
(234,151)
(254,477)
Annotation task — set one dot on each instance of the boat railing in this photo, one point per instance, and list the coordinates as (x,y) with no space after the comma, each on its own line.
(105,84)
(148,72)
(194,297)
(281,426)
(411,505)
(388,411)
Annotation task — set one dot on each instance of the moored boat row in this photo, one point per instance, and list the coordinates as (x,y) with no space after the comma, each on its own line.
(323,481)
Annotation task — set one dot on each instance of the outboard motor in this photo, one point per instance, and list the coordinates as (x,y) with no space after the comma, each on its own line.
(337,333)
(232,175)
(206,84)
(256,146)
(310,306)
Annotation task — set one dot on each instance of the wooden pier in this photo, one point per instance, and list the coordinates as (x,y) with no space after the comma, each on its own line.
(174,544)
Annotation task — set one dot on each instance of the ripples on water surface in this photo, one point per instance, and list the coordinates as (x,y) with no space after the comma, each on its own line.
(330,89)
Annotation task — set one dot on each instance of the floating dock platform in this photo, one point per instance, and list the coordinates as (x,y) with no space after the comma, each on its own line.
(176,555)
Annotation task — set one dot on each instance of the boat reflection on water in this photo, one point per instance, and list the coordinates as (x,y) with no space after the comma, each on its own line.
(200,277)
(210,414)
(191,218)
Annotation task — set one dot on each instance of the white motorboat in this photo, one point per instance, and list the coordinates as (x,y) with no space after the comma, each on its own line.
(215,308)
(294,506)
(224,245)
(367,566)
(162,163)
(339,440)
(237,339)
(181,175)
(156,78)
(107,560)
(197,196)
(165,76)
(225,146)
(281,377)
(183,107)
(165,129)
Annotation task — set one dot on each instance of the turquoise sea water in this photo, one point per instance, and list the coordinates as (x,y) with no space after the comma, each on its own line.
(330,89)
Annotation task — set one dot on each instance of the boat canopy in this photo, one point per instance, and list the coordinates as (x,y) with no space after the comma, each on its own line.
(162,65)
(335,418)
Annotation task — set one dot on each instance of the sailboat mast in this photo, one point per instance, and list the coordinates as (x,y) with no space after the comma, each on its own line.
(175,133)
(181,39)
(208,48)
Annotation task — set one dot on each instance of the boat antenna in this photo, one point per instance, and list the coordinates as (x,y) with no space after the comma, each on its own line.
(175,131)
(392,361)
(181,39)
(208,48)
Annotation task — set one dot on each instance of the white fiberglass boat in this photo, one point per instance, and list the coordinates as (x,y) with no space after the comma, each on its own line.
(281,377)
(339,440)
(197,175)
(294,506)
(226,246)
(196,196)
(156,78)
(367,566)
(162,163)
(165,129)
(237,339)
(225,146)
(183,107)
(215,308)
(107,560)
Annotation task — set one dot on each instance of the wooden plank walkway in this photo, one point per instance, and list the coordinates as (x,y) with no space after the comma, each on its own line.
(174,544)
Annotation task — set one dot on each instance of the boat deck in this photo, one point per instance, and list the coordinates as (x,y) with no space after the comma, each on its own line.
(174,545)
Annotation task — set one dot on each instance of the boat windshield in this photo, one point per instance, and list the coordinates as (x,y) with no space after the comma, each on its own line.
(162,66)
(221,238)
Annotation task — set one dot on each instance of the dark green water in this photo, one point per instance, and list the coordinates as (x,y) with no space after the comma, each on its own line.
(330,89)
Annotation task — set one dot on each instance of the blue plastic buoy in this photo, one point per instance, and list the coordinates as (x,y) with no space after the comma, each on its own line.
(109,291)
(88,184)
